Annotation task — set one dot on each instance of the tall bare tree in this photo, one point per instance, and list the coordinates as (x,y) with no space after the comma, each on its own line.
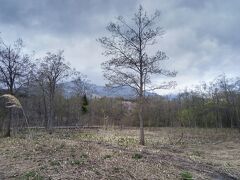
(81,84)
(15,69)
(51,71)
(131,63)
(15,66)
(81,87)
(42,87)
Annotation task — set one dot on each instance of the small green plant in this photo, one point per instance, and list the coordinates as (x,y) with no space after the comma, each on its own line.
(72,153)
(185,175)
(86,136)
(126,141)
(137,156)
(116,170)
(82,159)
(60,147)
(54,163)
(197,153)
(108,156)
(76,162)
(33,175)
(83,156)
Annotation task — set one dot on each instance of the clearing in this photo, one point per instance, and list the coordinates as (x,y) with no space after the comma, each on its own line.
(170,153)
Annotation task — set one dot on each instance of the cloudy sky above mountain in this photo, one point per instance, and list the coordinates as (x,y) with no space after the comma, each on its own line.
(201,37)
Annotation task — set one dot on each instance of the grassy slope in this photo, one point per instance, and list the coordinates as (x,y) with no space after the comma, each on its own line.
(115,154)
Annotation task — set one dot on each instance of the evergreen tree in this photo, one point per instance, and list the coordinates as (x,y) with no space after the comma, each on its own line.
(84,104)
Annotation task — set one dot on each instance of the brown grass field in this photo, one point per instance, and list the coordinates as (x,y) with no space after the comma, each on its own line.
(169,153)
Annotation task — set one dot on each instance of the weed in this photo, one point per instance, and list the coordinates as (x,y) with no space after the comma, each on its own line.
(72,153)
(42,167)
(126,141)
(33,175)
(196,153)
(86,136)
(83,155)
(185,175)
(108,156)
(61,146)
(15,156)
(76,162)
(54,163)
(137,156)
(116,170)
(82,159)
(97,172)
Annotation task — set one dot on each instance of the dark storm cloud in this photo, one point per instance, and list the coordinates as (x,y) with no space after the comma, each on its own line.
(201,37)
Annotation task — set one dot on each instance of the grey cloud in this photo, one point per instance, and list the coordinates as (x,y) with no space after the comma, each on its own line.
(201,36)
(61,16)
(193,4)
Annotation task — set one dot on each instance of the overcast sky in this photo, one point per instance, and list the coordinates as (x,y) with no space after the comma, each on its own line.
(202,36)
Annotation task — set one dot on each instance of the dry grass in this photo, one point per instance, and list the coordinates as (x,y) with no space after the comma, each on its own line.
(115,154)
(12,101)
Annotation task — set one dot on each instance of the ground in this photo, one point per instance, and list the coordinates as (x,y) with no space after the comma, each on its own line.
(169,153)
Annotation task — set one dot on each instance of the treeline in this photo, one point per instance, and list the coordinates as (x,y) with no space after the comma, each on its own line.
(213,105)
(40,83)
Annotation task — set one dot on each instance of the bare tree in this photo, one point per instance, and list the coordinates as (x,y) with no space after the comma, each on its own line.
(80,84)
(131,64)
(15,69)
(42,86)
(51,71)
(15,66)
(81,88)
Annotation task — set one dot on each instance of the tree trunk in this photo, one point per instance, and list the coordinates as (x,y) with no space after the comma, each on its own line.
(51,113)
(140,112)
(50,119)
(45,111)
(237,118)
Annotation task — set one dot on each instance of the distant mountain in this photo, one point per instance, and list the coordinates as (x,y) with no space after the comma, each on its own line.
(171,96)
(102,91)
